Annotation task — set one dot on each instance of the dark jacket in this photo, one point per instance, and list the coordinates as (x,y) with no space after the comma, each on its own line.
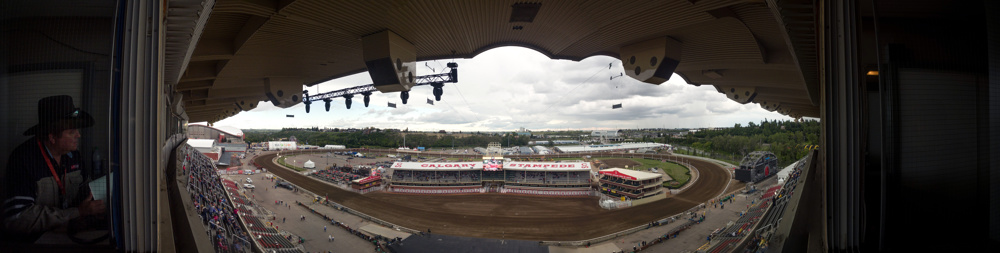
(33,204)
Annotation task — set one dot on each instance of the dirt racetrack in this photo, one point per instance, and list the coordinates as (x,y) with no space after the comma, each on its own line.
(511,216)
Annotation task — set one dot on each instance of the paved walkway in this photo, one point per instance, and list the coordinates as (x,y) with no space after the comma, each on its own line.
(312,229)
(688,240)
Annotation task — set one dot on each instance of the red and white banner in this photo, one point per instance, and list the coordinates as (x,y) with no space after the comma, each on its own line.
(615,173)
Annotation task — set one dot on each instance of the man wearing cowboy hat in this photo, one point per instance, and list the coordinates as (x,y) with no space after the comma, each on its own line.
(44,184)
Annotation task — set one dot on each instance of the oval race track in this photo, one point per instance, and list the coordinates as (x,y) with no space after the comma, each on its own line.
(508,216)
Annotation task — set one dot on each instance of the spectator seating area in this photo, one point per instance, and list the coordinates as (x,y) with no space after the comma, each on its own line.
(433,190)
(779,196)
(547,192)
(766,213)
(273,241)
(620,189)
(222,206)
(620,181)
(336,175)
(211,202)
(436,177)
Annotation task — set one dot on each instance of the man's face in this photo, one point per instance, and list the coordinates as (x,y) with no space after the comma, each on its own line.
(68,140)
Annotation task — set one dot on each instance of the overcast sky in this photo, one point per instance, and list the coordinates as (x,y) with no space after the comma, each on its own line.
(507,88)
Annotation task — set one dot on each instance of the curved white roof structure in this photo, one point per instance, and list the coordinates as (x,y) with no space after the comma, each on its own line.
(231,130)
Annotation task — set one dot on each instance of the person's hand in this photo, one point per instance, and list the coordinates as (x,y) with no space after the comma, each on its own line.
(91,207)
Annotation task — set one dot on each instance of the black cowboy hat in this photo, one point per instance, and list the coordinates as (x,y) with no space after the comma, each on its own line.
(59,109)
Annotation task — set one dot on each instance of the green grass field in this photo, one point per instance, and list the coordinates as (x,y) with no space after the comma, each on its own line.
(282,162)
(685,152)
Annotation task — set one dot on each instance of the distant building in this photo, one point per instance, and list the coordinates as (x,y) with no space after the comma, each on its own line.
(617,147)
(564,142)
(525,150)
(604,133)
(221,134)
(617,182)
(542,150)
(523,132)
(231,153)
(281,145)
(202,145)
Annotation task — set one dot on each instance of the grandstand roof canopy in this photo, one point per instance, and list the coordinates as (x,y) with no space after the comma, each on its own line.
(366,180)
(201,143)
(535,166)
(225,129)
(735,45)
(630,174)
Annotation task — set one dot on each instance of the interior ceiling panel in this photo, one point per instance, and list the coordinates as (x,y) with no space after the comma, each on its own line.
(246,41)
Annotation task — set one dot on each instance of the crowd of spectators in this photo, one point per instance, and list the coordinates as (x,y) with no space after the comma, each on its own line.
(543,177)
(337,175)
(442,177)
(617,190)
(619,180)
(221,207)
(211,202)
(546,192)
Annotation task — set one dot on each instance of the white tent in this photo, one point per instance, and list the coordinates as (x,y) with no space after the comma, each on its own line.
(309,165)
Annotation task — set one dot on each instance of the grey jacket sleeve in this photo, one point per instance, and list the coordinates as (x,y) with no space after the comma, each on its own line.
(33,206)
(38,218)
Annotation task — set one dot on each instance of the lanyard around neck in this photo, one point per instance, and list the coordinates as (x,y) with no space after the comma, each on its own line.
(55,176)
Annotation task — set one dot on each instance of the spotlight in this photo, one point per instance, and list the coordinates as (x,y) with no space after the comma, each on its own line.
(438,90)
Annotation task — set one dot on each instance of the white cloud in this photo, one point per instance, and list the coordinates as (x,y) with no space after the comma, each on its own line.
(508,88)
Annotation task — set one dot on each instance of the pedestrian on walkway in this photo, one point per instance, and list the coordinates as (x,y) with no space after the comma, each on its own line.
(324,228)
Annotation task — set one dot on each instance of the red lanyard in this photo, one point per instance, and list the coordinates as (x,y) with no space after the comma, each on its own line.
(62,189)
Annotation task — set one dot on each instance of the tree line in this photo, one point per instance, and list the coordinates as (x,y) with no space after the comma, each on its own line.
(786,139)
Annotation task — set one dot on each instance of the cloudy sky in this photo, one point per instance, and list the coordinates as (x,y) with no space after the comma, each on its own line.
(507,88)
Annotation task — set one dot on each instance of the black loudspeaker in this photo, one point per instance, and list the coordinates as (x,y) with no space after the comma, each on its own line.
(651,61)
(391,61)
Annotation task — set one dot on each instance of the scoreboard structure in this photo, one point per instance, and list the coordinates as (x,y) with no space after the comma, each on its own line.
(756,166)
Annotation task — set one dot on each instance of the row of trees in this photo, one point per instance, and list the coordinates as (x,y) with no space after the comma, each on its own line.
(786,139)
(383,139)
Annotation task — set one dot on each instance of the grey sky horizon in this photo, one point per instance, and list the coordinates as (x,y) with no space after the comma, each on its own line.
(506,88)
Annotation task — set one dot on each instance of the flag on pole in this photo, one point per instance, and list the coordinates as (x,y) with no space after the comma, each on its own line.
(392,105)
